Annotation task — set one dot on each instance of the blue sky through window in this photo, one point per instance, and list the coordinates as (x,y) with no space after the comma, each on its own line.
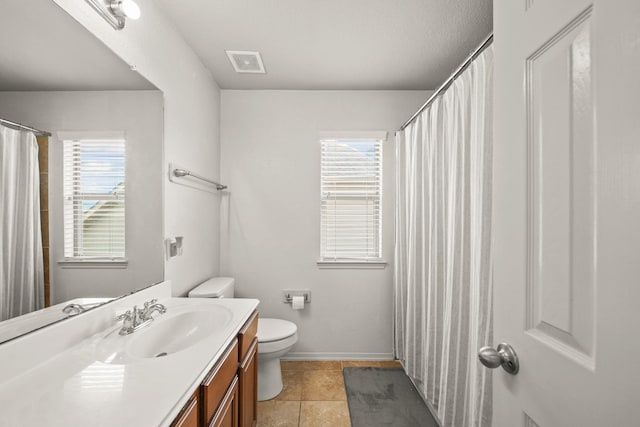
(102,170)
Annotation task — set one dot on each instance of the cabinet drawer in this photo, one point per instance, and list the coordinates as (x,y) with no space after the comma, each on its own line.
(227,413)
(247,334)
(217,382)
(188,417)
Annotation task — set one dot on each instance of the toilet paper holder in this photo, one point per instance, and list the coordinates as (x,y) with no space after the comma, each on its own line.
(290,293)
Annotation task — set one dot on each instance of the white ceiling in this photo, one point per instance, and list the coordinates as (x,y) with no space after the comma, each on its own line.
(43,48)
(334,44)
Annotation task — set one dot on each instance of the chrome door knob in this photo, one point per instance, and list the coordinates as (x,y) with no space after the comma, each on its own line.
(504,356)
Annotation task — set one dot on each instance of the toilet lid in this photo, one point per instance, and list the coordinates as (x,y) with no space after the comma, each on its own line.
(275,329)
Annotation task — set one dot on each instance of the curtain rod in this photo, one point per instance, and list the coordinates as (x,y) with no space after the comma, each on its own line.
(444,86)
(11,124)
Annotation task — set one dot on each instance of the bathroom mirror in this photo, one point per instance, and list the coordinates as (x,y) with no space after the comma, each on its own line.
(106,126)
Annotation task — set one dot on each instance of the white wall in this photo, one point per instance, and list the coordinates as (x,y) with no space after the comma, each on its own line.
(270,221)
(191,129)
(103,111)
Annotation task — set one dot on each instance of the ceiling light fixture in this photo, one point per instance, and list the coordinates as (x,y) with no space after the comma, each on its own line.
(125,8)
(115,12)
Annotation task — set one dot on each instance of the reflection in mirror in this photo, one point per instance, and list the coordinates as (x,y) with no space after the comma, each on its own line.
(81,202)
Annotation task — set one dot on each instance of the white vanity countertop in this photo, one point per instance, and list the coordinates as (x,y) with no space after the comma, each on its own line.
(76,387)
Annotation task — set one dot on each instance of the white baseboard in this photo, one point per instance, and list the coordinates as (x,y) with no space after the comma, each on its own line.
(300,355)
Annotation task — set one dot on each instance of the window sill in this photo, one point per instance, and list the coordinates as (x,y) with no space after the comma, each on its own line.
(93,263)
(323,264)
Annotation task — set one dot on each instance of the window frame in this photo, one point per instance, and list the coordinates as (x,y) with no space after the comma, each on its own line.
(332,262)
(90,261)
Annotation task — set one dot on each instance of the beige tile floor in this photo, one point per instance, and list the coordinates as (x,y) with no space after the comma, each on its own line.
(313,395)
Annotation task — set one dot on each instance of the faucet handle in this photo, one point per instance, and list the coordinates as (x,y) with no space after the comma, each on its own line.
(126,314)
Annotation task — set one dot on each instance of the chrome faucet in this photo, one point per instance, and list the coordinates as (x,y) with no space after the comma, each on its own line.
(73,309)
(149,308)
(132,320)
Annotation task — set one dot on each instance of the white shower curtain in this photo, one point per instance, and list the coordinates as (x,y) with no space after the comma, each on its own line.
(443,243)
(21,267)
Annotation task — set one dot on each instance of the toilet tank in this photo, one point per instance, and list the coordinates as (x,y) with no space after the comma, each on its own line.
(216,287)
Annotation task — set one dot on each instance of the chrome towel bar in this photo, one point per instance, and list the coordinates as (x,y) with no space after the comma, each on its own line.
(180,173)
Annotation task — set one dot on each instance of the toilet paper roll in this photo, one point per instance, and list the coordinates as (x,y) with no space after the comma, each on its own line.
(297,303)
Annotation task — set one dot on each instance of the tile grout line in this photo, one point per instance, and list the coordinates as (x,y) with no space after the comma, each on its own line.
(304,368)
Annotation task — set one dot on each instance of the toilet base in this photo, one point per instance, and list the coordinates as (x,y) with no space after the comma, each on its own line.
(269,378)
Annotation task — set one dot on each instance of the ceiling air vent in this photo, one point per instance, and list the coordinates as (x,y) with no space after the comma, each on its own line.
(246,61)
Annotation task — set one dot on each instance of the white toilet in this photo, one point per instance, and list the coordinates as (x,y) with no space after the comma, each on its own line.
(275,337)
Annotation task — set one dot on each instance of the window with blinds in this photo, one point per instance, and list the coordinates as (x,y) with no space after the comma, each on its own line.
(351,196)
(94,198)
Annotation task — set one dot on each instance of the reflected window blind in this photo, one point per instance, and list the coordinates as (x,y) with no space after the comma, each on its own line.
(351,195)
(94,198)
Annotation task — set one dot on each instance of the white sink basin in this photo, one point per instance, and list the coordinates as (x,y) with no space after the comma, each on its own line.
(178,329)
(170,334)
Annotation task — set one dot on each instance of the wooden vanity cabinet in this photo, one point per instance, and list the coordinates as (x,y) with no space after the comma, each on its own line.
(246,335)
(214,387)
(248,372)
(228,396)
(190,415)
(248,379)
(227,413)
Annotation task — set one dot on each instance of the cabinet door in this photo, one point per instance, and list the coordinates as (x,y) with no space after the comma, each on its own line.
(188,417)
(217,382)
(227,413)
(248,373)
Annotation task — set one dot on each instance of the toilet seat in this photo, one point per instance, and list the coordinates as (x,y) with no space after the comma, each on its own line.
(270,330)
(280,347)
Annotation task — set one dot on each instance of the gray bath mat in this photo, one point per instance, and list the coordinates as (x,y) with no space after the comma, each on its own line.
(384,397)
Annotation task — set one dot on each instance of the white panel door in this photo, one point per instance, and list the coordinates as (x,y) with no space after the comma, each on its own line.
(567,211)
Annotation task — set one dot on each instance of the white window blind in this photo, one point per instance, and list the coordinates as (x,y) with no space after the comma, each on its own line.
(351,196)
(94,198)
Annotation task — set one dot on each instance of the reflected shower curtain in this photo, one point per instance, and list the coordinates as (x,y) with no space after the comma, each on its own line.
(21,267)
(443,242)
